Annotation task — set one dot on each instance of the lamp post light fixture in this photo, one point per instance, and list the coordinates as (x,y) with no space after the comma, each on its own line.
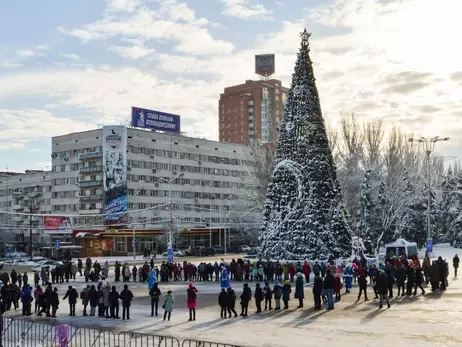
(170,222)
(428,145)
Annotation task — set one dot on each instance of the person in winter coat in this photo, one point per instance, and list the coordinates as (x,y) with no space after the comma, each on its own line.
(418,281)
(307,271)
(277,290)
(455,264)
(85,296)
(400,276)
(268,294)
(54,301)
(223,302)
(258,297)
(72,296)
(338,287)
(299,292)
(114,301)
(37,293)
(410,274)
(362,282)
(155,294)
(26,299)
(246,296)
(348,278)
(231,302)
(93,300)
(127,296)
(286,290)
(191,301)
(100,302)
(168,305)
(317,291)
(382,288)
(329,283)
(107,303)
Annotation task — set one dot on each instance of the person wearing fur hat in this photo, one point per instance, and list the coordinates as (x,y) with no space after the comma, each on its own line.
(192,295)
(168,305)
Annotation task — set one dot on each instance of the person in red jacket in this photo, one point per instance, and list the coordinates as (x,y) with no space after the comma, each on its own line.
(307,271)
(338,287)
(192,295)
(292,272)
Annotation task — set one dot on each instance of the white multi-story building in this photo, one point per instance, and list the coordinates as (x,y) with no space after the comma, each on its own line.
(22,196)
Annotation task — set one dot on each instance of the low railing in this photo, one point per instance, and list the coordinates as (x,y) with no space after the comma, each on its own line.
(28,333)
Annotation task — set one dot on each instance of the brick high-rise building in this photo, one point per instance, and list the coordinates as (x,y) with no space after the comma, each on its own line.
(251,111)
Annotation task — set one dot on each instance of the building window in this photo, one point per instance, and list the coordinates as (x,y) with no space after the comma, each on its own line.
(121,244)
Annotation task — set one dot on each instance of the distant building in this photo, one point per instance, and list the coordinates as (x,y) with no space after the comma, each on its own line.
(196,178)
(251,112)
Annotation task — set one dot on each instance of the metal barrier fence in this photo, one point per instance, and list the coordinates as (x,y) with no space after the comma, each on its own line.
(27,333)
(134,339)
(197,343)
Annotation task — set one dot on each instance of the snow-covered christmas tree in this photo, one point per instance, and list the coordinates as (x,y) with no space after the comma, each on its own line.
(365,214)
(304,214)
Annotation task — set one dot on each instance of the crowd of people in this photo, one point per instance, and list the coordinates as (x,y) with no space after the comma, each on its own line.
(275,283)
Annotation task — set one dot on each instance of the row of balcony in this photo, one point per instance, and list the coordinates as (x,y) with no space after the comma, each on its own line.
(90,155)
(27,209)
(90,169)
(93,183)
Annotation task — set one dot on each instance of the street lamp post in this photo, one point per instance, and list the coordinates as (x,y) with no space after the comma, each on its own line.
(31,201)
(133,229)
(212,197)
(170,222)
(428,145)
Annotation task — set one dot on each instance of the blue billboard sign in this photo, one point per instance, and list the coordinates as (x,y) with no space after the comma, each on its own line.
(155,120)
(170,255)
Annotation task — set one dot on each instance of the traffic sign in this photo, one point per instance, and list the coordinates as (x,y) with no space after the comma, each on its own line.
(133,243)
(58,244)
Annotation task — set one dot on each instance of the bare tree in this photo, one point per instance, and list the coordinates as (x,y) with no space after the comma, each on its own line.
(373,141)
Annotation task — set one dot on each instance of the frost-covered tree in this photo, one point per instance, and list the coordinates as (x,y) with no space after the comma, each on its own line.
(366,213)
(304,214)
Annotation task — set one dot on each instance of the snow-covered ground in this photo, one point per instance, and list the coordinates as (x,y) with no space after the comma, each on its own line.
(429,320)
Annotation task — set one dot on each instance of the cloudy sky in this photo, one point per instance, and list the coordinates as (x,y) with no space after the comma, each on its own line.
(73,65)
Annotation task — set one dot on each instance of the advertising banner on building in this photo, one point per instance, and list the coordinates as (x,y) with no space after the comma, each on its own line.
(115,174)
(155,120)
(265,64)
(57,224)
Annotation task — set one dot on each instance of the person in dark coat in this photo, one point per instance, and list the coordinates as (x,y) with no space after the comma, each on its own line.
(277,290)
(54,302)
(329,283)
(72,296)
(442,266)
(246,296)
(410,274)
(400,275)
(117,271)
(286,290)
(93,300)
(114,302)
(231,302)
(268,293)
(317,291)
(155,294)
(223,302)
(418,281)
(362,282)
(434,276)
(258,297)
(455,264)
(45,301)
(299,292)
(127,296)
(382,288)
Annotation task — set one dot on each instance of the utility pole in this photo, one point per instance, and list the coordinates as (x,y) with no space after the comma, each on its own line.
(428,144)
(170,221)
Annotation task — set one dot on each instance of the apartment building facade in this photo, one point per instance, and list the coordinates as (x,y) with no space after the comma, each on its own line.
(251,112)
(22,196)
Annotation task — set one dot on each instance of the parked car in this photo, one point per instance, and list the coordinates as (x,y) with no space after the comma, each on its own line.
(176,253)
(219,249)
(245,248)
(193,251)
(207,251)
(48,264)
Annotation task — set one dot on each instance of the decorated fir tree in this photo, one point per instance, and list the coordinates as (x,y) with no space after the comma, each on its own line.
(304,215)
